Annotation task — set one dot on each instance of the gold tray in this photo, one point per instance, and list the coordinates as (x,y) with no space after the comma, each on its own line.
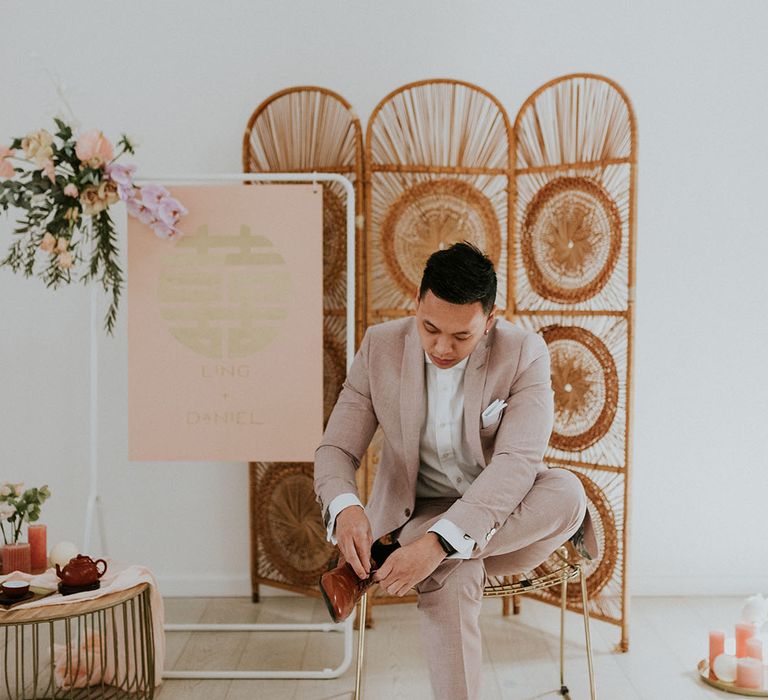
(703,668)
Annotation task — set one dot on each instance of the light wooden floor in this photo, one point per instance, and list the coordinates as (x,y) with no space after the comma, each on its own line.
(667,638)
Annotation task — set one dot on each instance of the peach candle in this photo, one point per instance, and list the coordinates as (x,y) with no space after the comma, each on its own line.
(36,534)
(744,631)
(16,557)
(749,673)
(716,647)
(755,648)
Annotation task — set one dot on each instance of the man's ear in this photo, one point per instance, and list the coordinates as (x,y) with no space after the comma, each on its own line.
(491,318)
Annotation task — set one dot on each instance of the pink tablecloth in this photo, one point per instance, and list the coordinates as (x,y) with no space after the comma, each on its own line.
(119,577)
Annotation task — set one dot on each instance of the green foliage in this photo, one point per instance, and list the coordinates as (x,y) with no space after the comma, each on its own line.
(18,506)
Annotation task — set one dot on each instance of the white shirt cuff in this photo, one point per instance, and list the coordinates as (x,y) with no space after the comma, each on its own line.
(456,537)
(342,501)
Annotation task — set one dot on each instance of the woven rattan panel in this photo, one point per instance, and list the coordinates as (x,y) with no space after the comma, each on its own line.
(305,129)
(437,163)
(573,267)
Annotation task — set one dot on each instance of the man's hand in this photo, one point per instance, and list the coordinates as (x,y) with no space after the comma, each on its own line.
(410,564)
(353,535)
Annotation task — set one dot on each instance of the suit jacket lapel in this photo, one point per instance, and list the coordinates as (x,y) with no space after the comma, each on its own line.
(413,405)
(474,383)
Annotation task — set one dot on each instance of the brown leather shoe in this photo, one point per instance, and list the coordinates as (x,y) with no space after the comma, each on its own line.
(342,589)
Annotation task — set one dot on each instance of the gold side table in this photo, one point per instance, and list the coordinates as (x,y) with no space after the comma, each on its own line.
(100,648)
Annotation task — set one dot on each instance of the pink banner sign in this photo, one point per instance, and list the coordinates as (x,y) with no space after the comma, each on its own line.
(225,328)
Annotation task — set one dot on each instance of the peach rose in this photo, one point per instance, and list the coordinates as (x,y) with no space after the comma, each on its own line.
(108,192)
(37,147)
(92,203)
(48,243)
(6,169)
(93,149)
(65,260)
(61,245)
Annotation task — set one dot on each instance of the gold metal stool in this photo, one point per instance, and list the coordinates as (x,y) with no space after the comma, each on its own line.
(101,648)
(501,587)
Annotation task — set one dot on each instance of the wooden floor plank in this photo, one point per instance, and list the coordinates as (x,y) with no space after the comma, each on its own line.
(520,653)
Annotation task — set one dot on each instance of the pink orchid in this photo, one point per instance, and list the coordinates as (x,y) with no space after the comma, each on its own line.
(140,211)
(170,211)
(93,148)
(152,195)
(163,230)
(6,169)
(121,174)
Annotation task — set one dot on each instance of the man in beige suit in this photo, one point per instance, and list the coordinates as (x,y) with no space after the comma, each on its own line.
(465,405)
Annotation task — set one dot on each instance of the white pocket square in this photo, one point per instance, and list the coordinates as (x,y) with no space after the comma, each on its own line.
(491,415)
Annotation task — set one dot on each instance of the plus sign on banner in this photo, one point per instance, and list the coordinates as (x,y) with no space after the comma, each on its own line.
(225,328)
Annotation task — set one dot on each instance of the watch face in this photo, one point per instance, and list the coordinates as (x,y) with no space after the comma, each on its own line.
(447,546)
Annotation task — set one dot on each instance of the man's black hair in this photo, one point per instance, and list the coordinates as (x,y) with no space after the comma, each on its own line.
(461,274)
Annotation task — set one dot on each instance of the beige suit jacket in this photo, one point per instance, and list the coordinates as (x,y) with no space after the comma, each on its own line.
(386,387)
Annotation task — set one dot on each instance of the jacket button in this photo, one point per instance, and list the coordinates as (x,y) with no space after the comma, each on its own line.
(407,512)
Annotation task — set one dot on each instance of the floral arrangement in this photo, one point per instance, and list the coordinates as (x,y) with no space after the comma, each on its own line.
(65,186)
(18,506)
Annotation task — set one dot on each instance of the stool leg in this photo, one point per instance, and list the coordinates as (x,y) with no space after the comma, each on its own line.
(563,588)
(360,648)
(584,604)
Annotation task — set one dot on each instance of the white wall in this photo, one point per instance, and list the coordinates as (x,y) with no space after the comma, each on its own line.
(183,77)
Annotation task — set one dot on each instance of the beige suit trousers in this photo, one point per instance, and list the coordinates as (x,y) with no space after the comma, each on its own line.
(450,599)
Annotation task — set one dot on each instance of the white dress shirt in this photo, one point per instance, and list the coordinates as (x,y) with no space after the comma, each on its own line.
(446,466)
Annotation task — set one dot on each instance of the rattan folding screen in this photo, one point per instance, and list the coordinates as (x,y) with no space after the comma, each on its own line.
(305,130)
(552,203)
(573,267)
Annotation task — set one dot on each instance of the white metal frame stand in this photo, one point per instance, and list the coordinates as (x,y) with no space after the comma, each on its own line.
(94,502)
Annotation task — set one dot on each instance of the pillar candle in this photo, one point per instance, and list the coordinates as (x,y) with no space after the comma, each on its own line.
(744,631)
(716,647)
(16,557)
(749,673)
(36,534)
(755,648)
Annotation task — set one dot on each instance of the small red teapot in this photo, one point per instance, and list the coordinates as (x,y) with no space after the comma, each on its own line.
(81,571)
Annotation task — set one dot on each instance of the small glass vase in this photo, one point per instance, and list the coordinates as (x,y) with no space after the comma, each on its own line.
(17,557)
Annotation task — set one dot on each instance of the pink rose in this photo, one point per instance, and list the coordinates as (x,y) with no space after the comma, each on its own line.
(48,243)
(93,149)
(49,170)
(6,169)
(71,190)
